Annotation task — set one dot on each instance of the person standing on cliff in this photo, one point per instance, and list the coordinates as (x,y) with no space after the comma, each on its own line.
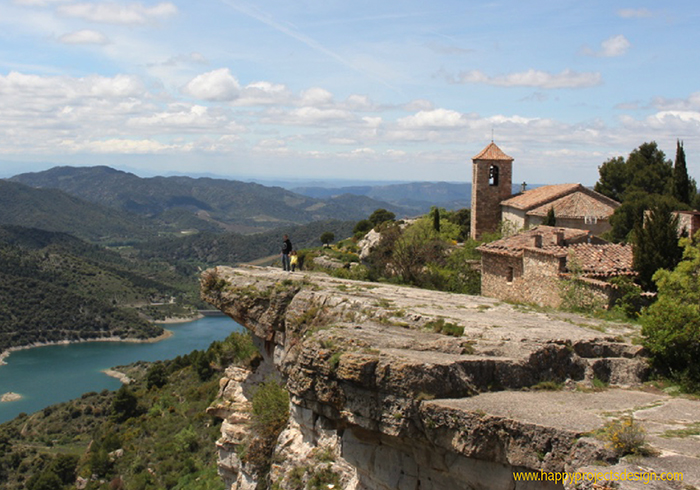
(286,250)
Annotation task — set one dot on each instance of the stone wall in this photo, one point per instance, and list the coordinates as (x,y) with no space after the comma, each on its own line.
(514,216)
(520,221)
(535,278)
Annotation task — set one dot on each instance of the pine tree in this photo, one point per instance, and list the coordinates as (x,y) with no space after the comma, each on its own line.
(681,181)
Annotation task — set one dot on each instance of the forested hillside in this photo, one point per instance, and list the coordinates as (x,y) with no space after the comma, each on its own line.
(54,210)
(56,287)
(207,249)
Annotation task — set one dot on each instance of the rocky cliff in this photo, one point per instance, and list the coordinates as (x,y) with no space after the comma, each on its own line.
(400,388)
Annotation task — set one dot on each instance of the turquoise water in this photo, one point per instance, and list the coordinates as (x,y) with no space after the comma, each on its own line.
(58,373)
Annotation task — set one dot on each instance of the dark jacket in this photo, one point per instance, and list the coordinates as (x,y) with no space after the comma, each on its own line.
(286,247)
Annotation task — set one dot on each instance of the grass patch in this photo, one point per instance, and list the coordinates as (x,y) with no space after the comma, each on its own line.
(692,430)
(334,360)
(446,328)
(547,386)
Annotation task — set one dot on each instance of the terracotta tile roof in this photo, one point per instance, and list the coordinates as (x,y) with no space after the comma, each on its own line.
(540,195)
(611,259)
(577,205)
(515,244)
(492,152)
(594,259)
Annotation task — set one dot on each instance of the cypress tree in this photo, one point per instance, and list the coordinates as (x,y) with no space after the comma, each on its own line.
(656,244)
(550,219)
(681,182)
(436,219)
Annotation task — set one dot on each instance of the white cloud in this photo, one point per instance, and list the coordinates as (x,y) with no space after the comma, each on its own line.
(314,115)
(115,13)
(181,118)
(194,58)
(682,116)
(396,153)
(316,97)
(372,122)
(359,103)
(418,105)
(215,85)
(535,78)
(119,86)
(263,93)
(664,104)
(38,3)
(634,13)
(362,151)
(35,87)
(85,36)
(437,118)
(117,145)
(610,48)
(615,46)
(342,141)
(515,119)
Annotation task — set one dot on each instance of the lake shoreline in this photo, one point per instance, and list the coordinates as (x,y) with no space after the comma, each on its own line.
(166,334)
(44,377)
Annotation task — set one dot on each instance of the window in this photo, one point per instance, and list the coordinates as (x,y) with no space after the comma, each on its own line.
(509,275)
(493,175)
(590,220)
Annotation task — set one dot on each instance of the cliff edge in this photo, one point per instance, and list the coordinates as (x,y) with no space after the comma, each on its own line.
(394,387)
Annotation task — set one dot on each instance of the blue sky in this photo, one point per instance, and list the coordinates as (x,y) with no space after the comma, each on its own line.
(348,90)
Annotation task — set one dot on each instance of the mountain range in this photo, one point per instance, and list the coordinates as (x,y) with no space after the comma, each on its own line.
(202,204)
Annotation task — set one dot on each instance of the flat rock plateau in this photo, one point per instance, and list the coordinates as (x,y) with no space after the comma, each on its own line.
(410,389)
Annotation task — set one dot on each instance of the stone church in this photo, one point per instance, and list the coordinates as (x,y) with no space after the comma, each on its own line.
(574,205)
(529,266)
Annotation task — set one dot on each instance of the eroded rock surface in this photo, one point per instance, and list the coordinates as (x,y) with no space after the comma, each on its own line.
(385,402)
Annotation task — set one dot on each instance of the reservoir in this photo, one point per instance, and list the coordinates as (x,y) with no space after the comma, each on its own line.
(58,373)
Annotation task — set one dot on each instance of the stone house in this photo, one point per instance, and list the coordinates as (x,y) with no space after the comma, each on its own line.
(575,206)
(529,267)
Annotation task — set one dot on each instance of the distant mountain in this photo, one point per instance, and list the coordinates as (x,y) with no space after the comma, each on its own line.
(55,210)
(416,196)
(204,203)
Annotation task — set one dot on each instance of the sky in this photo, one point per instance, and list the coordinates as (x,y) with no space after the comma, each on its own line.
(357,90)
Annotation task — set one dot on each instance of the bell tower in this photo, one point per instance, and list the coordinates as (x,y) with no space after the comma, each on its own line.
(492,175)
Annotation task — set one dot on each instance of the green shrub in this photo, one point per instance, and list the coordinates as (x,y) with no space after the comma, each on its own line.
(625,436)
(323,479)
(270,408)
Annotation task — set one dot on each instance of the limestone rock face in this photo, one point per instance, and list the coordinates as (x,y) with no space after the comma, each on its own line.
(368,243)
(381,398)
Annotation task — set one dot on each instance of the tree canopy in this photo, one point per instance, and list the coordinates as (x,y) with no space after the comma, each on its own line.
(640,182)
(646,169)
(381,215)
(671,326)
